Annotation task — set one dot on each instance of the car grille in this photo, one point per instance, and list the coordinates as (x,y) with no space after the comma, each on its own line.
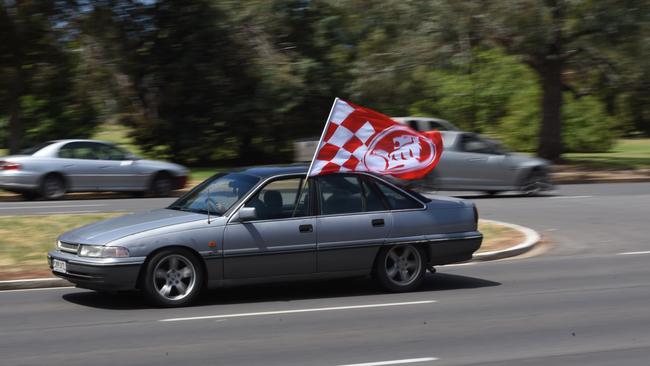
(68,247)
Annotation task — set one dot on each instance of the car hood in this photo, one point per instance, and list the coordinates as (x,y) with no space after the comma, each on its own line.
(106,231)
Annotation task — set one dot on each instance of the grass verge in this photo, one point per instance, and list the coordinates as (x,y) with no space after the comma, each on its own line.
(627,154)
(25,240)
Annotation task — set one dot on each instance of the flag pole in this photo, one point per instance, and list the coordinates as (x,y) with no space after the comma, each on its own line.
(322,135)
(311,165)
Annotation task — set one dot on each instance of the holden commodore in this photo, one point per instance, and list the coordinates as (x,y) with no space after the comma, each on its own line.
(266,224)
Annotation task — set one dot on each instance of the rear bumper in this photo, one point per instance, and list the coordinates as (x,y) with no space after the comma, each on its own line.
(453,251)
(18,181)
(98,273)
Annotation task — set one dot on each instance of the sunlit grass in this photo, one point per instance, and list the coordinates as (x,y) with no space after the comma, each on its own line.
(25,240)
(626,154)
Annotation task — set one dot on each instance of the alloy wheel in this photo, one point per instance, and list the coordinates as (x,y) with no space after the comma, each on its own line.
(174,277)
(403,265)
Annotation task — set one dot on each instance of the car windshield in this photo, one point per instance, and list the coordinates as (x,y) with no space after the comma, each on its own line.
(32,150)
(224,190)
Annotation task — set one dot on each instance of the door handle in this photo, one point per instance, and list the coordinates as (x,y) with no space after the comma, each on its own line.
(306,228)
(378,222)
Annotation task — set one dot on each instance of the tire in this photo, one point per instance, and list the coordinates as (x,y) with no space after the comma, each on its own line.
(52,187)
(173,278)
(161,185)
(534,183)
(400,268)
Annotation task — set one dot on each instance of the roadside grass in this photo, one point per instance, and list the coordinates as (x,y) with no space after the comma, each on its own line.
(25,240)
(626,154)
(496,237)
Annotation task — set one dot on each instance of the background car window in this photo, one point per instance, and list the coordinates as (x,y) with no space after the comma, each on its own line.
(396,199)
(413,124)
(475,145)
(108,152)
(340,194)
(78,150)
(277,200)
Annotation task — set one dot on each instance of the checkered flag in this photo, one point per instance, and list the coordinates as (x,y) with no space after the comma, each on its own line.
(359,139)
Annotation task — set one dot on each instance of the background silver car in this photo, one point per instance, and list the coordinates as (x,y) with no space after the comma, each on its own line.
(56,167)
(471,162)
(253,225)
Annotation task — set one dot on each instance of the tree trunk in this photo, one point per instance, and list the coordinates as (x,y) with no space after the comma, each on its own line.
(15,127)
(550,134)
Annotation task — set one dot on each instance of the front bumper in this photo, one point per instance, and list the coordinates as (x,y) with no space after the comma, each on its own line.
(107,274)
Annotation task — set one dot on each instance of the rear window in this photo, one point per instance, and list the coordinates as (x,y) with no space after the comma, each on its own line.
(34,149)
(398,200)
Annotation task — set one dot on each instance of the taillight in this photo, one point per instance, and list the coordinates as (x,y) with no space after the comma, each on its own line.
(7,165)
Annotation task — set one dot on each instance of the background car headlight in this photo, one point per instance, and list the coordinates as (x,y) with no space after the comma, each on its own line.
(98,251)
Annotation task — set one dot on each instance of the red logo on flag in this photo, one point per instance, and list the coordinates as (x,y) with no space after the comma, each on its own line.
(360,139)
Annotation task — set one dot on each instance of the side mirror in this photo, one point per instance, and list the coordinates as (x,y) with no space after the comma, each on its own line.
(246,214)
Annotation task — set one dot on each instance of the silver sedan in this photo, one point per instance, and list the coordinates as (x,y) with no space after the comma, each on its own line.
(266,224)
(470,162)
(56,167)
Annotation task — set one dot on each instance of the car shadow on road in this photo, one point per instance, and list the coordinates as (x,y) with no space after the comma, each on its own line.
(288,291)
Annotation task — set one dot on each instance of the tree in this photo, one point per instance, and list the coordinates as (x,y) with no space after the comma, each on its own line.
(549,36)
(38,85)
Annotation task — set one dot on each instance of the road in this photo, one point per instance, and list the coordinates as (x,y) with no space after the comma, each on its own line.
(582,302)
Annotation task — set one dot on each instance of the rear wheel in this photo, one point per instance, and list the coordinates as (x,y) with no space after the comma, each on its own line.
(400,268)
(173,278)
(161,185)
(52,187)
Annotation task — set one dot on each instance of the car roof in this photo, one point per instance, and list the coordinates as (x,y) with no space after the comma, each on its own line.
(265,171)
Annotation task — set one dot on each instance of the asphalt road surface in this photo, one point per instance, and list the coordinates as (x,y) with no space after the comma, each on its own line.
(584,301)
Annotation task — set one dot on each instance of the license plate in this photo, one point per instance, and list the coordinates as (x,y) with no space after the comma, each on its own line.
(58,266)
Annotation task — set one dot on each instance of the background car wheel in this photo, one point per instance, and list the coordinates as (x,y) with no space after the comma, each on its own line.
(400,268)
(492,193)
(52,187)
(161,185)
(173,278)
(534,183)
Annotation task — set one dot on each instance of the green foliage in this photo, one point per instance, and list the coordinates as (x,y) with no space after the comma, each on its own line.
(587,127)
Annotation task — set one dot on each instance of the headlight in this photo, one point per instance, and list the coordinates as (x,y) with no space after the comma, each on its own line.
(99,251)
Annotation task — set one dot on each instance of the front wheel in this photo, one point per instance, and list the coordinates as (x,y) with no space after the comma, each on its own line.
(161,185)
(534,183)
(173,278)
(400,268)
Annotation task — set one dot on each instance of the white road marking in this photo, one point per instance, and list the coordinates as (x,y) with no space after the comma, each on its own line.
(309,310)
(47,206)
(394,362)
(635,253)
(36,289)
(567,197)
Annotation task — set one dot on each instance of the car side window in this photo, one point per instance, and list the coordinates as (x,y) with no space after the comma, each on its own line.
(475,145)
(396,199)
(108,152)
(341,194)
(78,150)
(278,200)
(413,124)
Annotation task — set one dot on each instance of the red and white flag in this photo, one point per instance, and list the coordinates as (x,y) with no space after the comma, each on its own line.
(359,139)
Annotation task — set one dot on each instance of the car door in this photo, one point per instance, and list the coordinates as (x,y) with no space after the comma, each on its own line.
(353,223)
(115,169)
(474,164)
(280,241)
(78,162)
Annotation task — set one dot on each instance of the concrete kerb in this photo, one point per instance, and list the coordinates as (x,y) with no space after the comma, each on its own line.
(531,239)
